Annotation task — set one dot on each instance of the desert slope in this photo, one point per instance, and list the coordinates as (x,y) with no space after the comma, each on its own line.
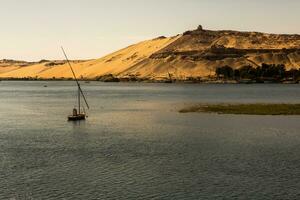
(115,63)
(194,53)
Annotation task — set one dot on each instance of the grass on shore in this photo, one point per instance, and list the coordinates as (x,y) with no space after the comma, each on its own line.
(245,109)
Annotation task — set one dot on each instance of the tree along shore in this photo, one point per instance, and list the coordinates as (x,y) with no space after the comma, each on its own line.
(265,73)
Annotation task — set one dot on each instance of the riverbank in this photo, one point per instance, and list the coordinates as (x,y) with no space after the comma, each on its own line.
(244,109)
(112,79)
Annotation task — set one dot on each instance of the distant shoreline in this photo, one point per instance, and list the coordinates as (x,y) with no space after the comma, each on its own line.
(128,80)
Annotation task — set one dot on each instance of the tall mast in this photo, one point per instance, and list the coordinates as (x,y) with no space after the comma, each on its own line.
(79,101)
(79,88)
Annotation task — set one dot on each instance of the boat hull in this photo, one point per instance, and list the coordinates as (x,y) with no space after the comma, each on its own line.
(76,117)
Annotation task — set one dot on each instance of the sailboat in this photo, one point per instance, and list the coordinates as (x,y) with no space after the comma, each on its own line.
(77,115)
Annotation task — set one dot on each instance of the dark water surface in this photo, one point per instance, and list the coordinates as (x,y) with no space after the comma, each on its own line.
(135,145)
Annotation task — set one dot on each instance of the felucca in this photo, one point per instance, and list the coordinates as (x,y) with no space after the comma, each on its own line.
(77,115)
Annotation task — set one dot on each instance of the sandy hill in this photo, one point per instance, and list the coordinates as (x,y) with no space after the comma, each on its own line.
(194,53)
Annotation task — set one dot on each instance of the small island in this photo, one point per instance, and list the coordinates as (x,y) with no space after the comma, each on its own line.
(244,109)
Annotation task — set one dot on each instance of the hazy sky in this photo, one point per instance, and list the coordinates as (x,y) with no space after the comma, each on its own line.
(35,29)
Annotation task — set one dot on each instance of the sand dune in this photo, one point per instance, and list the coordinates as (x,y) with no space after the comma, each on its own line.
(195,53)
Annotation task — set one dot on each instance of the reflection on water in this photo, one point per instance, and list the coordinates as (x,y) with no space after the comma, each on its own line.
(135,145)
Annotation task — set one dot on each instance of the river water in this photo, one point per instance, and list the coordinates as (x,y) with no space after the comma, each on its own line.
(135,144)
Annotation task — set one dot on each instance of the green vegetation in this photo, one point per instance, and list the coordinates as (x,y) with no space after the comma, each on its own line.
(263,73)
(246,109)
